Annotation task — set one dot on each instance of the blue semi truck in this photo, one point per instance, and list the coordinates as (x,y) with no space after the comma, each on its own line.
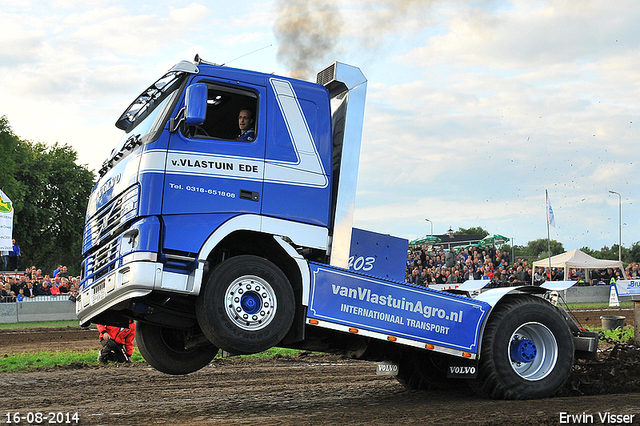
(211,240)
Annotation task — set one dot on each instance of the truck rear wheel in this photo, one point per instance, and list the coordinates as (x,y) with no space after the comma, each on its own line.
(527,350)
(247,305)
(164,349)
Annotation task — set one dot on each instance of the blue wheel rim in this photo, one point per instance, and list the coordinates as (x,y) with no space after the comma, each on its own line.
(523,350)
(251,302)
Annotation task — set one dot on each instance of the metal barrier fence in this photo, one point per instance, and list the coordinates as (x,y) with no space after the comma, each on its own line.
(588,294)
(40,308)
(47,298)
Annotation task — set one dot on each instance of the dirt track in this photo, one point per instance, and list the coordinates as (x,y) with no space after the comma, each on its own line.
(48,339)
(312,390)
(305,390)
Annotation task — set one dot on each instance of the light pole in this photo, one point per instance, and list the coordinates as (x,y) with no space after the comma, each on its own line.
(431,226)
(513,251)
(619,225)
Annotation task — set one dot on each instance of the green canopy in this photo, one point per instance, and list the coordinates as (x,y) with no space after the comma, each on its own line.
(456,248)
(494,239)
(427,239)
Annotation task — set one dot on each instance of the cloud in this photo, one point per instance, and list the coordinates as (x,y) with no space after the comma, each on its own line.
(187,15)
(497,116)
(532,34)
(114,30)
(20,41)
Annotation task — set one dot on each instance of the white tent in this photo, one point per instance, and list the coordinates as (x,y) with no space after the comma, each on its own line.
(577,259)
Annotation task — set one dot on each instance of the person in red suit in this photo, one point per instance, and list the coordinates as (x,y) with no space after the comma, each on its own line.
(117,343)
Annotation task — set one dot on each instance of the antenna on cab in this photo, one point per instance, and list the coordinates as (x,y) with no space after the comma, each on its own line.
(247,54)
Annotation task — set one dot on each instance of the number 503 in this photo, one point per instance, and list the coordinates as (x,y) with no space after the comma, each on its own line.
(361,263)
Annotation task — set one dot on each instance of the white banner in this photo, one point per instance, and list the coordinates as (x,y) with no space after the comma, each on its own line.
(628,287)
(6,223)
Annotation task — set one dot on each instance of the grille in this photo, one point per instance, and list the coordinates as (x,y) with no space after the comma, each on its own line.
(105,255)
(111,217)
(326,75)
(102,258)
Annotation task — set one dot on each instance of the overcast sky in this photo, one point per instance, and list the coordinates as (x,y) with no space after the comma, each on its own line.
(473,108)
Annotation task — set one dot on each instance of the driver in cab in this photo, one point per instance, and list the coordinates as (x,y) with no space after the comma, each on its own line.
(245,122)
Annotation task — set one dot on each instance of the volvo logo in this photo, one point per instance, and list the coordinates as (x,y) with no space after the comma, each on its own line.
(109,184)
(462,370)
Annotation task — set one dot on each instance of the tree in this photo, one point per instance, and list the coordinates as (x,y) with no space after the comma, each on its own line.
(588,251)
(517,250)
(539,247)
(478,230)
(49,192)
(629,255)
(12,150)
(633,253)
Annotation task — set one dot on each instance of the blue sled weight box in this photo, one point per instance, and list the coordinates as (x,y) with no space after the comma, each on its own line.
(378,254)
(401,310)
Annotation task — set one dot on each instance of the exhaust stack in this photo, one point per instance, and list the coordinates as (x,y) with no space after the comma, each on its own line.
(347,87)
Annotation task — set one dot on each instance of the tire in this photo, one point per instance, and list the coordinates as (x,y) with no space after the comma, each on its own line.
(527,350)
(421,370)
(247,305)
(164,349)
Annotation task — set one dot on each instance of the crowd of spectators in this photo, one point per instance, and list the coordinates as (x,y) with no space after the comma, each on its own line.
(425,266)
(633,270)
(428,265)
(16,287)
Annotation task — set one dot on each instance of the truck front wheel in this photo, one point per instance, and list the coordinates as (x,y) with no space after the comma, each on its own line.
(247,305)
(165,349)
(527,350)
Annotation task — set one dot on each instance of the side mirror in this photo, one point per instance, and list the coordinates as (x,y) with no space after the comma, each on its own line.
(196,104)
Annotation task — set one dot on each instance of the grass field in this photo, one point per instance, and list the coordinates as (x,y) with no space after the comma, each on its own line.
(625,305)
(43,324)
(37,360)
(41,360)
(21,362)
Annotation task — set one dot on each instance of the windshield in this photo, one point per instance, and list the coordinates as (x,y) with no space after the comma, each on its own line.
(148,100)
(144,116)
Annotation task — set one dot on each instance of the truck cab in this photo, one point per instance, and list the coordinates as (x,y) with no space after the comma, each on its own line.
(182,192)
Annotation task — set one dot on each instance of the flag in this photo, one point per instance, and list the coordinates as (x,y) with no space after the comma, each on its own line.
(551,219)
(6,223)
